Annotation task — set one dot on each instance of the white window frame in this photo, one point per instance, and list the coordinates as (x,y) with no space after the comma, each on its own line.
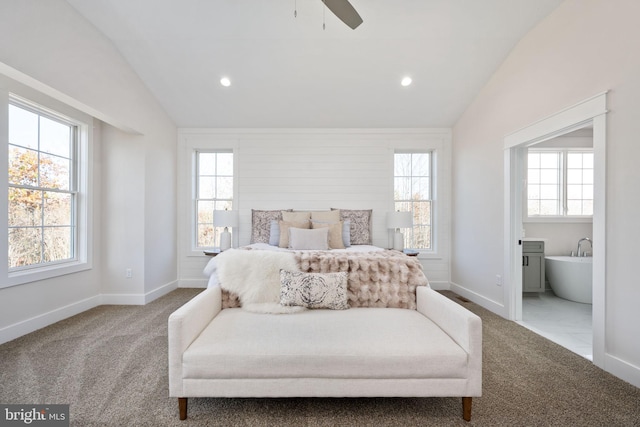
(562,189)
(432,187)
(196,199)
(82,257)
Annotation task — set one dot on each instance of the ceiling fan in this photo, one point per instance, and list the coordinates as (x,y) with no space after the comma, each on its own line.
(344,11)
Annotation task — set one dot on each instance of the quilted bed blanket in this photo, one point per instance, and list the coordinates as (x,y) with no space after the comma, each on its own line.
(375,279)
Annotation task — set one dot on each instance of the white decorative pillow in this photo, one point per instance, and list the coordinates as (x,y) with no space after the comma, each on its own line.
(309,239)
(314,290)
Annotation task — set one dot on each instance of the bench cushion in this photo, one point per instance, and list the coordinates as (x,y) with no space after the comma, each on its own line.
(355,343)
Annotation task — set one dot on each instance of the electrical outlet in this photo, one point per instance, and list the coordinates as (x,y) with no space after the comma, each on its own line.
(498,280)
(129,273)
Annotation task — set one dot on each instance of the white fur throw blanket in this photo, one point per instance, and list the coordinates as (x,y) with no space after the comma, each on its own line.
(375,279)
(254,276)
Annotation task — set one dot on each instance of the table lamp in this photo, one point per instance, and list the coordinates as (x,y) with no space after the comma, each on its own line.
(397,220)
(225,219)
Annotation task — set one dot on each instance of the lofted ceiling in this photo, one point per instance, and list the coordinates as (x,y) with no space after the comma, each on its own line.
(287,71)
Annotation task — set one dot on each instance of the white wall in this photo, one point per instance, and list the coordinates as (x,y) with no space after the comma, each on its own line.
(58,51)
(316,170)
(583,48)
(560,237)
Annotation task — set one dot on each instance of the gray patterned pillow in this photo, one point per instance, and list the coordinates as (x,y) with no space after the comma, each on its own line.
(261,224)
(360,224)
(314,290)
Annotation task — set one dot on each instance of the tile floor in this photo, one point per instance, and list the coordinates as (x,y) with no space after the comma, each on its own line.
(564,322)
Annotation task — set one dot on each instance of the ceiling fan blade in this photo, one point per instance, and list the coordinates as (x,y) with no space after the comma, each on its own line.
(345,12)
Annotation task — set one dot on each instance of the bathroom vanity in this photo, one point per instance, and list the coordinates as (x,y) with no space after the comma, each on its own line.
(533,279)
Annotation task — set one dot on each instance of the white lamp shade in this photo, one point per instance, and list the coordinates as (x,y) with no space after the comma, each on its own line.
(225,218)
(399,219)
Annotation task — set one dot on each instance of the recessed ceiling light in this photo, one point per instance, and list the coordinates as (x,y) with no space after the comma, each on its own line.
(225,82)
(406,81)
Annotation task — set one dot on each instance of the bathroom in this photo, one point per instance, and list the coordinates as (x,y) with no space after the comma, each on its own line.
(559,214)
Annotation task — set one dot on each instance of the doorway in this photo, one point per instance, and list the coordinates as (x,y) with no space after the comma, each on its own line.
(556,216)
(590,112)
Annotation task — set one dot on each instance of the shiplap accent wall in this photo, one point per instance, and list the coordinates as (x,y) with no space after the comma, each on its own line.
(313,169)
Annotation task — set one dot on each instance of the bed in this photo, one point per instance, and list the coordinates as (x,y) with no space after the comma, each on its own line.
(331,241)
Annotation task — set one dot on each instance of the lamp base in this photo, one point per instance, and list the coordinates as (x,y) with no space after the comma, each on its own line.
(225,241)
(398,241)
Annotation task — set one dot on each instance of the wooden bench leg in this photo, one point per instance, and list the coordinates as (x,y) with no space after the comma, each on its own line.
(182,404)
(466,408)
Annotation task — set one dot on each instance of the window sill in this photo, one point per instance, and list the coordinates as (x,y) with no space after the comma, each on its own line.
(559,219)
(43,273)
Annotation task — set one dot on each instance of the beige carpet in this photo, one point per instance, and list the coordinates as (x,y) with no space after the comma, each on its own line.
(110,365)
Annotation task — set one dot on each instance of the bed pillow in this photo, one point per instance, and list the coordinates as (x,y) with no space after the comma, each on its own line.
(360,224)
(346,231)
(261,224)
(326,216)
(335,232)
(274,233)
(284,231)
(296,216)
(314,290)
(309,239)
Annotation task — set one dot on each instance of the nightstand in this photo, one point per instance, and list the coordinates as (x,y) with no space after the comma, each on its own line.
(408,252)
(211,253)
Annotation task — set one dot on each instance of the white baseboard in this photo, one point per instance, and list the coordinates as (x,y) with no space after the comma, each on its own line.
(622,369)
(27,326)
(122,299)
(138,299)
(11,332)
(160,292)
(481,300)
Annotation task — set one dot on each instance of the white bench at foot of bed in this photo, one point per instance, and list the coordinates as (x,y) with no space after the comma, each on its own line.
(434,351)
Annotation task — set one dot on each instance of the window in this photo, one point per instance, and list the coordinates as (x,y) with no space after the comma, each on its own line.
(413,181)
(214,191)
(560,183)
(43,205)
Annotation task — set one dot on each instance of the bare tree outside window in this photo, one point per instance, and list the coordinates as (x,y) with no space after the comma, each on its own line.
(412,193)
(42,193)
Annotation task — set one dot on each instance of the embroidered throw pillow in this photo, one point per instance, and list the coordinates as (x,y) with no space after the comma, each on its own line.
(360,221)
(261,224)
(314,290)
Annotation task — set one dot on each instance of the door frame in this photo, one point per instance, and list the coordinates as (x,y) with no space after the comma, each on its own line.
(591,111)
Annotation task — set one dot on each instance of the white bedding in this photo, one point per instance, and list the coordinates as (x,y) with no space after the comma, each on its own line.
(210,269)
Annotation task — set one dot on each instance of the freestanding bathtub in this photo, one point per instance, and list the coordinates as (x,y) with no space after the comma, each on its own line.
(570,277)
